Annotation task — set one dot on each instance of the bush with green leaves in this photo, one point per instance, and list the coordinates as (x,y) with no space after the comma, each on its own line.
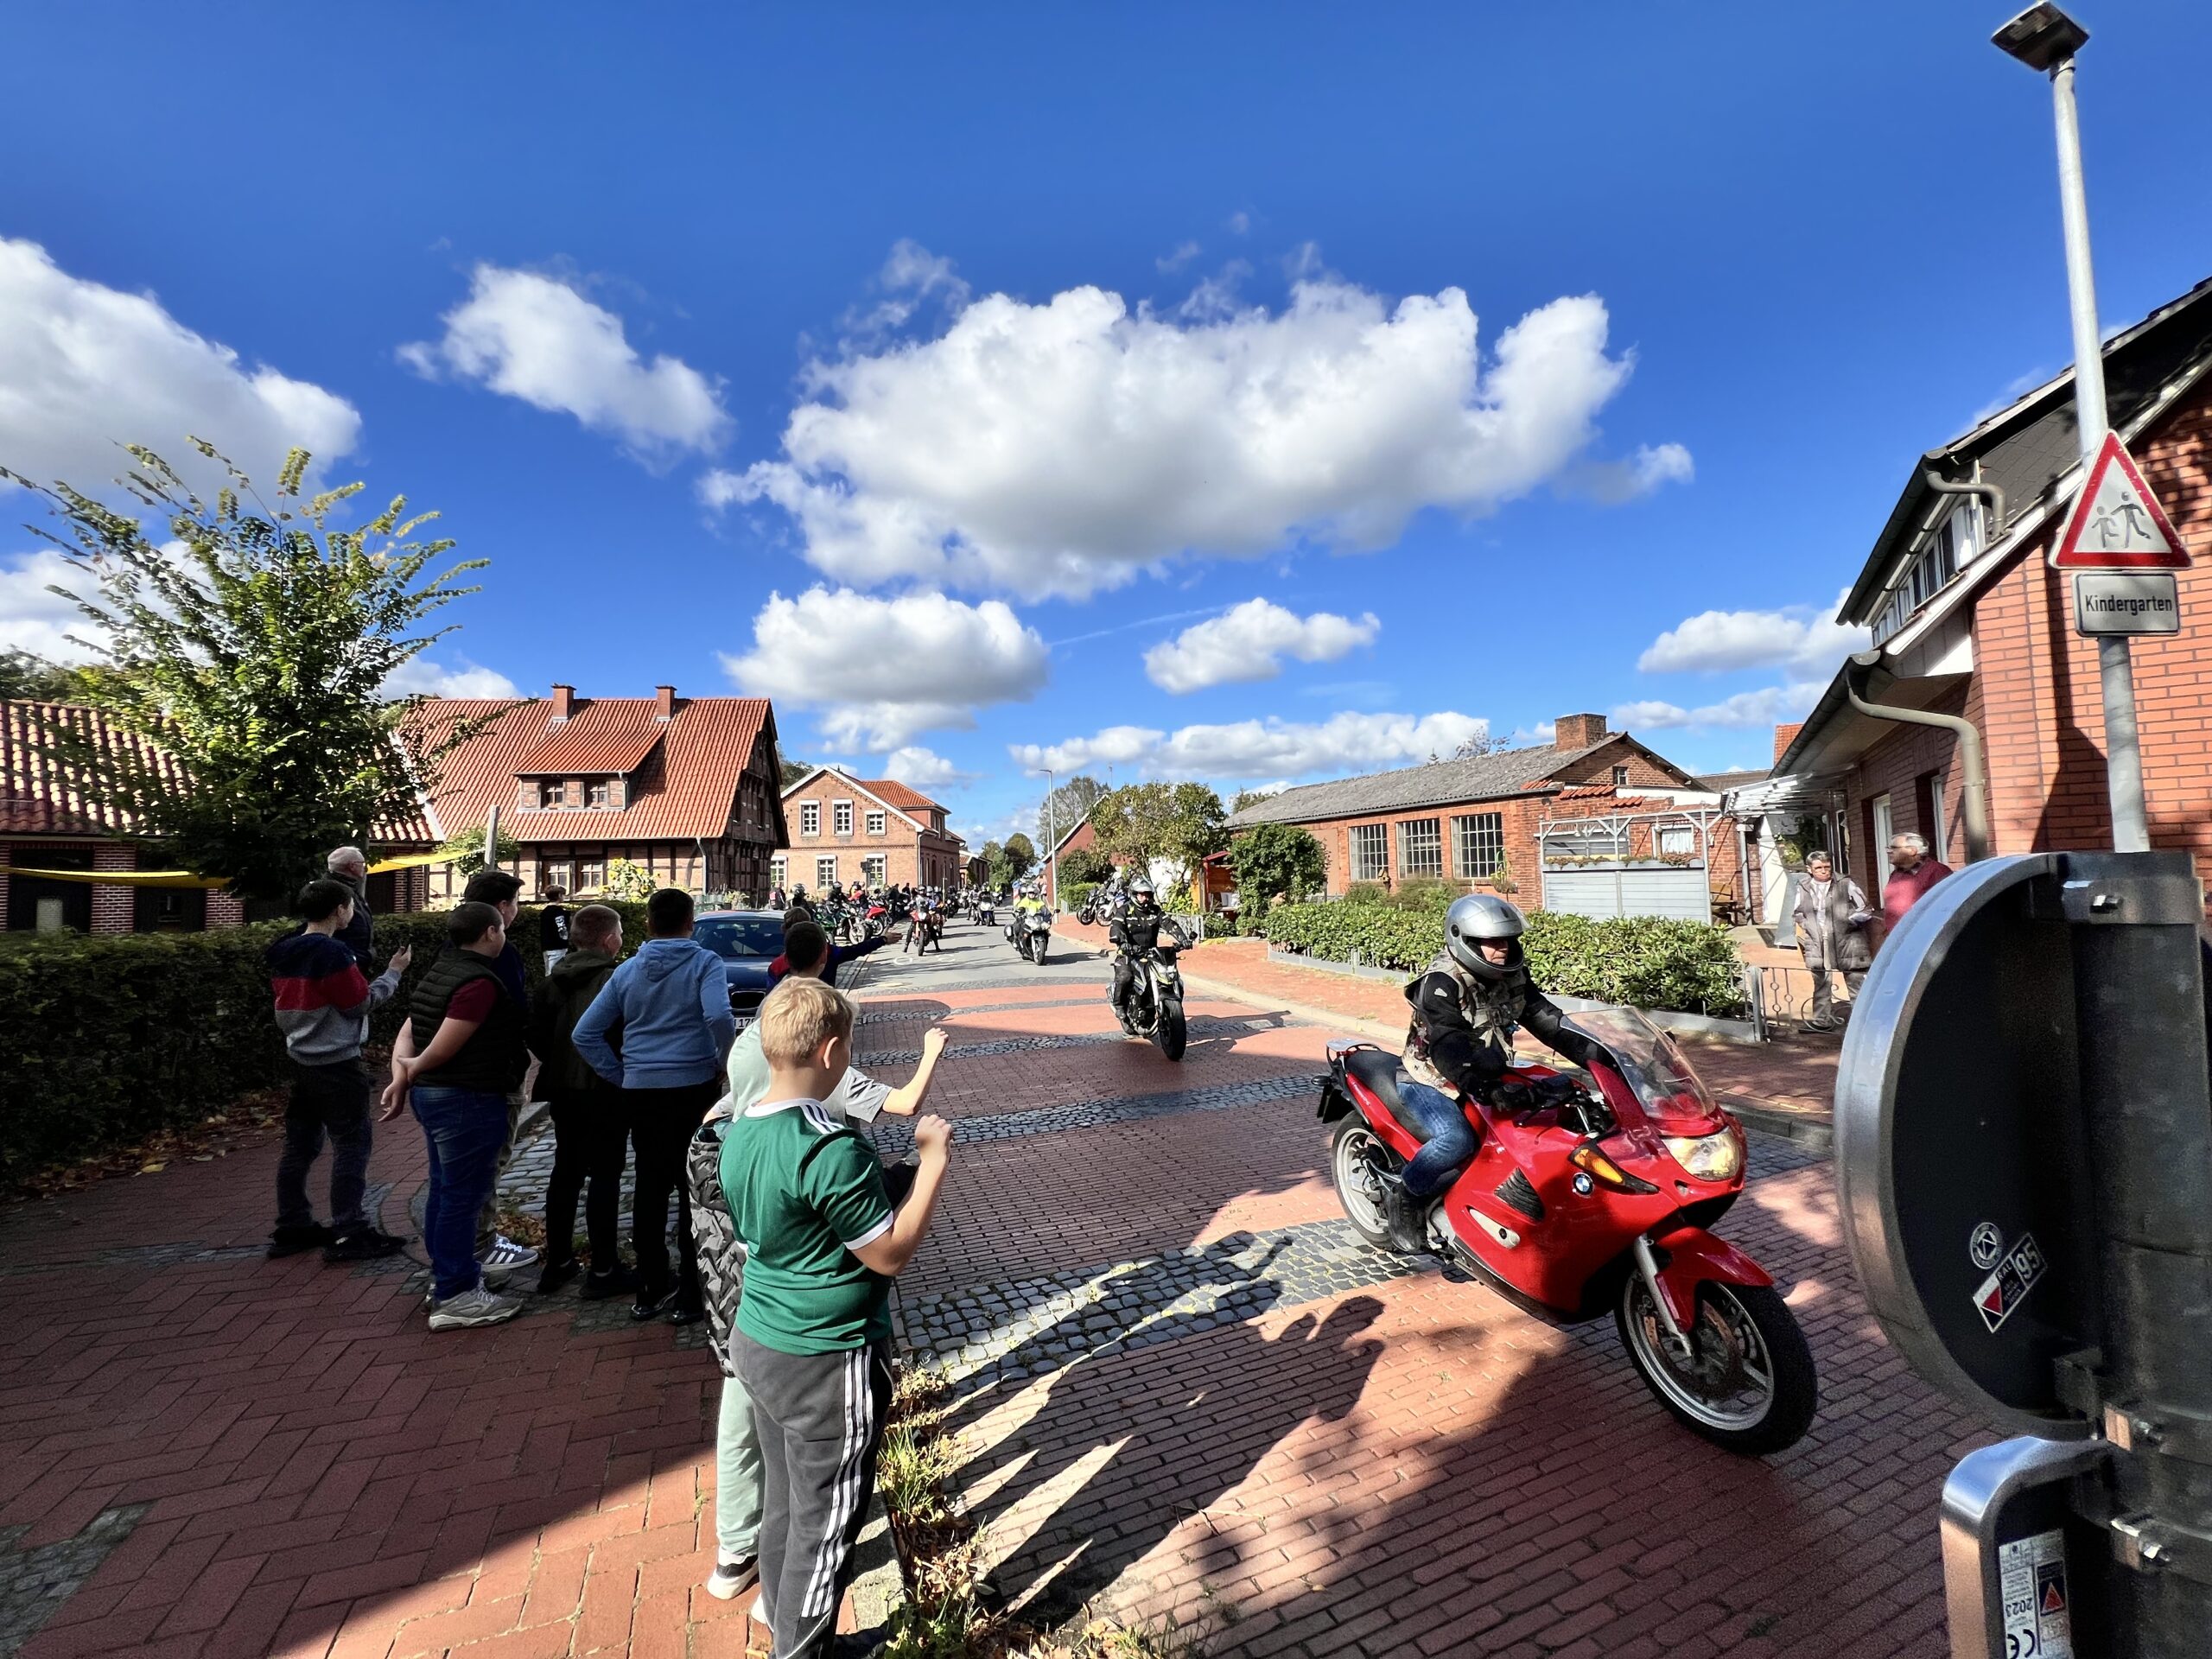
(107,1038)
(1646,962)
(1074,895)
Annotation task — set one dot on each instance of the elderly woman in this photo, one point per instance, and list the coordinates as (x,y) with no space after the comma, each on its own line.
(1831,919)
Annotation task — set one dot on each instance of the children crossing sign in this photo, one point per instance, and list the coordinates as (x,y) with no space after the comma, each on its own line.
(2117,524)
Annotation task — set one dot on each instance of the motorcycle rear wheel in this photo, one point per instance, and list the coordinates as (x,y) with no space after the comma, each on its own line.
(1752,1389)
(1170,1034)
(1357,1159)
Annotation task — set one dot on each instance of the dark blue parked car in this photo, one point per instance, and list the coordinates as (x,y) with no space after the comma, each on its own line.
(746,941)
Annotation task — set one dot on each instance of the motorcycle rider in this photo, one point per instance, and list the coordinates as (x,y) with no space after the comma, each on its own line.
(1134,934)
(1459,1040)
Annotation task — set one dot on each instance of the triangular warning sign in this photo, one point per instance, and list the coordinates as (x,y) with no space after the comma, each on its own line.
(1993,1302)
(2117,524)
(2054,1597)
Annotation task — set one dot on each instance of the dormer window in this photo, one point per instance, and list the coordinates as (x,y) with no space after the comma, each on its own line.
(1947,549)
(552,792)
(598,791)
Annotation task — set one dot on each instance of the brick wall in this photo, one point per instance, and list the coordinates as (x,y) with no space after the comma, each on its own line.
(911,857)
(1597,767)
(2035,694)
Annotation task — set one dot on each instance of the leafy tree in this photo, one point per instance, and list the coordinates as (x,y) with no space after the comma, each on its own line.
(1245,798)
(466,851)
(255,659)
(1273,859)
(1018,856)
(1084,864)
(629,880)
(795,770)
(25,678)
(1145,824)
(1063,808)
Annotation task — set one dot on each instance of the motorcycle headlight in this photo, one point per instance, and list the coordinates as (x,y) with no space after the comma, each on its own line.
(1708,1157)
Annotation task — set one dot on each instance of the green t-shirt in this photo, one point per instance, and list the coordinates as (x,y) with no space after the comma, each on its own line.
(805,1190)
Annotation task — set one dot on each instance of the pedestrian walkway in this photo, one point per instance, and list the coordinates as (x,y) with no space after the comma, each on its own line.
(1183,1390)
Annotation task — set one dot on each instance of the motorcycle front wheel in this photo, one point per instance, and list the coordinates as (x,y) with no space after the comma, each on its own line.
(1037,944)
(1749,1385)
(1170,1033)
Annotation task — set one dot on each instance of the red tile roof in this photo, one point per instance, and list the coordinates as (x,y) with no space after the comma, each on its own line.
(892,793)
(606,737)
(691,795)
(39,797)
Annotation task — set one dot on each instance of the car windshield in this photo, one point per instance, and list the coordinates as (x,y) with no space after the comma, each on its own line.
(742,939)
(1650,1061)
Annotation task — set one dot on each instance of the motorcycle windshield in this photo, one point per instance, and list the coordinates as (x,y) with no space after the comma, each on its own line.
(1670,1093)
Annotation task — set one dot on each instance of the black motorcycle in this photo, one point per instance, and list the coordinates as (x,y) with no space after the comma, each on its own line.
(1155,1006)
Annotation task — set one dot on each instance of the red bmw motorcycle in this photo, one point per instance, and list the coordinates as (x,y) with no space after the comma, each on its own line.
(1577,1204)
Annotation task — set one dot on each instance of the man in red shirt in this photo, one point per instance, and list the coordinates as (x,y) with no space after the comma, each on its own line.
(1911,874)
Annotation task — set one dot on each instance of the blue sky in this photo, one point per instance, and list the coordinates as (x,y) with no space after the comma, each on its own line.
(1007,386)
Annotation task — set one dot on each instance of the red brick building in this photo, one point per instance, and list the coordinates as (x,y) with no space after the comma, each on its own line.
(1970,619)
(46,824)
(845,828)
(1612,806)
(683,787)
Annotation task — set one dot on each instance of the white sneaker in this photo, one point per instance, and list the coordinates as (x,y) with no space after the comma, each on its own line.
(506,1256)
(471,1307)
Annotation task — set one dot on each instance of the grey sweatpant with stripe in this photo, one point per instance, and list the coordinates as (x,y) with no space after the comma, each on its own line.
(820,1419)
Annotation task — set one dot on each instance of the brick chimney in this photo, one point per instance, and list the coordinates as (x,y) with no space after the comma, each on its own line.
(1783,737)
(1577,731)
(564,702)
(664,698)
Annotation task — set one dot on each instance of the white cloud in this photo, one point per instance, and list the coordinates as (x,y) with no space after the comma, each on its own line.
(1767,706)
(84,368)
(1269,748)
(32,619)
(534,337)
(1248,641)
(1805,639)
(1056,449)
(885,670)
(1652,465)
(1180,258)
(462,680)
(920,768)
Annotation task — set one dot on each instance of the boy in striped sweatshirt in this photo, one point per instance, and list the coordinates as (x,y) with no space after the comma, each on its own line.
(322,1009)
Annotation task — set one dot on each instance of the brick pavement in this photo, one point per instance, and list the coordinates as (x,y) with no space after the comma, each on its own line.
(1224,1406)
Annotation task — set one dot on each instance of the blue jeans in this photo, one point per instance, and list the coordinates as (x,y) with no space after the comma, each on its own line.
(465,1130)
(1448,1139)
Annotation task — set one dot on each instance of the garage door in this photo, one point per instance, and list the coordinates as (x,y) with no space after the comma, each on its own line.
(1680,893)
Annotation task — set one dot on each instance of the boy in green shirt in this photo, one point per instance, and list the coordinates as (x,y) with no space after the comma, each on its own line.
(813,1340)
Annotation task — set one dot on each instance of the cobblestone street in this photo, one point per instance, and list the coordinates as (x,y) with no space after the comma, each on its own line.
(1185,1389)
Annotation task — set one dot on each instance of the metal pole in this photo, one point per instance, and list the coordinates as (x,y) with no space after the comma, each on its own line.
(2123,754)
(1052,842)
(491,838)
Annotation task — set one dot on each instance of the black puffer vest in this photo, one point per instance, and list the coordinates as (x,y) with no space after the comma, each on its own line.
(492,1060)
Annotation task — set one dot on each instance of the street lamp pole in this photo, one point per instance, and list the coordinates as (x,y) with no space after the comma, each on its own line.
(2045,38)
(1052,842)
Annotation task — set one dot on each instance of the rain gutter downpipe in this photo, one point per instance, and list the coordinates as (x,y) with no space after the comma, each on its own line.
(1994,494)
(1974,788)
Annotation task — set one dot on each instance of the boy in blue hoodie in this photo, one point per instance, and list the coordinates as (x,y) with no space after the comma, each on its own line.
(322,1007)
(670,1006)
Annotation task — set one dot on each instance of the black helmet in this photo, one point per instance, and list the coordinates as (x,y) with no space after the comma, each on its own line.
(1479,919)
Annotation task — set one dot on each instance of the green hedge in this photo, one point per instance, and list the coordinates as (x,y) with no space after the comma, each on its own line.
(107,1038)
(1642,961)
(1074,895)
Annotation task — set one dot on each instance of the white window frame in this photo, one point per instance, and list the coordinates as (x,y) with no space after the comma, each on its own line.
(1675,841)
(876,820)
(775,871)
(1886,826)
(1937,838)
(841,817)
(1369,846)
(872,869)
(1473,835)
(825,872)
(809,818)
(1620,777)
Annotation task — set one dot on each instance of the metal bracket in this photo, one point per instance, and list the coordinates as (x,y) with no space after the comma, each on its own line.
(1974,1500)
(2150,1545)
(2081,1382)
(2161,1429)
(2131,899)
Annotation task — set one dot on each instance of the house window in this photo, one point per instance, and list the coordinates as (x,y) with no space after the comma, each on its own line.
(1477,844)
(591,875)
(599,792)
(1947,551)
(826,871)
(551,793)
(1620,777)
(876,825)
(1370,851)
(841,817)
(1934,784)
(1885,827)
(1676,841)
(1420,846)
(775,871)
(872,866)
(809,817)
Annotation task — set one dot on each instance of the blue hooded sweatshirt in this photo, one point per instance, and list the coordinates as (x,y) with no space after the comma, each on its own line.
(671,1003)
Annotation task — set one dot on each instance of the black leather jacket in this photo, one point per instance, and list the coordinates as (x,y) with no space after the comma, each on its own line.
(1136,932)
